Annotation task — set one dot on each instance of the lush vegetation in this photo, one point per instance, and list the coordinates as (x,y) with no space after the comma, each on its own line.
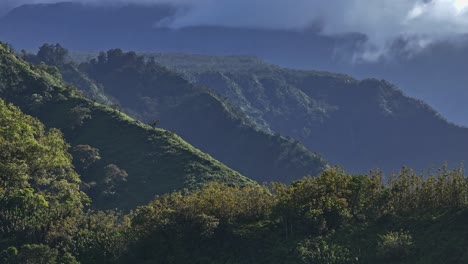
(57,56)
(39,190)
(332,218)
(52,195)
(132,161)
(155,95)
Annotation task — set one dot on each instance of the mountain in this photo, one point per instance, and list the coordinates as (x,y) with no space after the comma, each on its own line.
(357,124)
(156,95)
(83,182)
(123,162)
(332,218)
(434,75)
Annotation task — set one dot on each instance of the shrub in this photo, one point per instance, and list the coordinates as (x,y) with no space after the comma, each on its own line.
(320,252)
(395,245)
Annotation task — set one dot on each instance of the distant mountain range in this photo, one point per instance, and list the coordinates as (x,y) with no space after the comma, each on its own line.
(356,124)
(163,98)
(359,125)
(435,75)
(109,155)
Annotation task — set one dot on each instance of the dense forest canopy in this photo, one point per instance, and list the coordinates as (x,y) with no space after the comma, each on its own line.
(333,218)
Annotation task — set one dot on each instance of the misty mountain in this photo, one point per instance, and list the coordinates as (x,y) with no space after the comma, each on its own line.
(356,124)
(434,75)
(233,131)
(141,28)
(163,98)
(441,84)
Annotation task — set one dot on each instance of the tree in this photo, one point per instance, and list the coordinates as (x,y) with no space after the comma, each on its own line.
(9,255)
(395,245)
(320,252)
(37,254)
(84,156)
(39,190)
(52,54)
(78,115)
(113,178)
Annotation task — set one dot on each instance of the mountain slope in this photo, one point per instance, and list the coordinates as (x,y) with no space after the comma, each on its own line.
(355,124)
(136,162)
(152,93)
(40,192)
(435,75)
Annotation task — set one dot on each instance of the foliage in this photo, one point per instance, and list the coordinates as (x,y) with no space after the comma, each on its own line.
(39,190)
(151,93)
(322,253)
(223,218)
(38,187)
(52,54)
(78,115)
(85,156)
(40,254)
(333,218)
(395,245)
(156,161)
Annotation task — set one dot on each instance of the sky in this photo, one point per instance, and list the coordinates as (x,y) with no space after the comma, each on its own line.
(419,22)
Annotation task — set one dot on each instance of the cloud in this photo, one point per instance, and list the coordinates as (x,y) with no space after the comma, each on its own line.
(417,22)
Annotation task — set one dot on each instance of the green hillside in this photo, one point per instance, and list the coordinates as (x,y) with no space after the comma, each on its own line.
(134,161)
(333,218)
(149,92)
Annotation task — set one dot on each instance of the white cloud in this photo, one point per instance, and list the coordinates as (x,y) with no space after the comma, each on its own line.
(420,22)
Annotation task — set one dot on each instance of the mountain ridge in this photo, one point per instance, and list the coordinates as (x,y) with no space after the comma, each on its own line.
(160,162)
(301,103)
(151,92)
(418,75)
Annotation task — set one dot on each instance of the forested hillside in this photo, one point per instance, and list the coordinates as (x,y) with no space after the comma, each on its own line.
(162,98)
(173,132)
(357,124)
(48,188)
(39,190)
(334,218)
(123,162)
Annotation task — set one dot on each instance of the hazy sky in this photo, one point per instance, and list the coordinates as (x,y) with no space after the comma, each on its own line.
(420,21)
